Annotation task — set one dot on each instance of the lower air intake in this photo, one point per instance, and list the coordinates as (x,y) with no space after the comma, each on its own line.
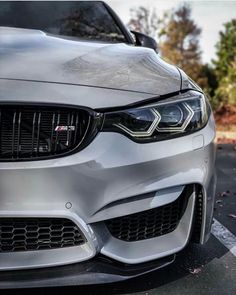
(27,234)
(151,223)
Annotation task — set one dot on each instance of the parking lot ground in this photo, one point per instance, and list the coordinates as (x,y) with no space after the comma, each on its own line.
(199,270)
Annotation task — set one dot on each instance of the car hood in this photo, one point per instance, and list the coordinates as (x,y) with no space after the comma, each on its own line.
(32,55)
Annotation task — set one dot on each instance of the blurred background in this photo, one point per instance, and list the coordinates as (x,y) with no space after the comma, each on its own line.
(199,37)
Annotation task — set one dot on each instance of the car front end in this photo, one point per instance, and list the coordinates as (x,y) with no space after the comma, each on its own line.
(128,198)
(106,161)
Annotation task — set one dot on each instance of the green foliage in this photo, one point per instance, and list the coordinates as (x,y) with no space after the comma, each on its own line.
(226,92)
(180,38)
(211,83)
(179,44)
(225,65)
(226,49)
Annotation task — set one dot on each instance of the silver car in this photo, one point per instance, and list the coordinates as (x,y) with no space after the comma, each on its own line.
(106,151)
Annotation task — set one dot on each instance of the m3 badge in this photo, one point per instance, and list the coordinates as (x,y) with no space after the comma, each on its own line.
(64,128)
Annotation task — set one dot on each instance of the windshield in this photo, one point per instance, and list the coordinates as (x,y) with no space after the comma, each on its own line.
(82,19)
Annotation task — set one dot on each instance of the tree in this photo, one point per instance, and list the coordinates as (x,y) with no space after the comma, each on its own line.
(144,20)
(226,50)
(226,92)
(178,38)
(208,72)
(225,65)
(180,43)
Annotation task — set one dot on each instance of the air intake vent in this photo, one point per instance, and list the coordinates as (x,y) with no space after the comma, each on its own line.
(151,223)
(25,234)
(33,132)
(197,226)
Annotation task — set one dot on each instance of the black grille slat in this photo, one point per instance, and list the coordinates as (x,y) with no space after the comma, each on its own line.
(33,133)
(72,124)
(68,132)
(18,135)
(52,130)
(28,132)
(150,223)
(58,123)
(13,132)
(38,133)
(76,127)
(24,234)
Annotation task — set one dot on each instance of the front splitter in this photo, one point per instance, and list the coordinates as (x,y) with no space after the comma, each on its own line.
(98,270)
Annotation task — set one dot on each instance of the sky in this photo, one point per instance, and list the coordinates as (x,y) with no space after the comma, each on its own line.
(208,14)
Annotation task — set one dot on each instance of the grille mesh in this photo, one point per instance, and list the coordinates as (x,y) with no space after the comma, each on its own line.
(148,224)
(25,234)
(31,132)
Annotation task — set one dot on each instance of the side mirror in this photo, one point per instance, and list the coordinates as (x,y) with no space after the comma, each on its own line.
(145,41)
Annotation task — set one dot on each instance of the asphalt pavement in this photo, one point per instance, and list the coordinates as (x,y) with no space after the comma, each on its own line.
(199,270)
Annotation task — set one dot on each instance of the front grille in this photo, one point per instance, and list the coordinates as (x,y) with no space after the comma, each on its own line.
(32,132)
(25,234)
(151,223)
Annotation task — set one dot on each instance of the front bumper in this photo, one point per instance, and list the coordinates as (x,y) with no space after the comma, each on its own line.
(112,177)
(98,270)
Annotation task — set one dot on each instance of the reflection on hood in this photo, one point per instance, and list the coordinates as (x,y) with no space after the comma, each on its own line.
(33,55)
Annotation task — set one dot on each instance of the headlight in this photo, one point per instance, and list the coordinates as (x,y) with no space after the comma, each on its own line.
(166,119)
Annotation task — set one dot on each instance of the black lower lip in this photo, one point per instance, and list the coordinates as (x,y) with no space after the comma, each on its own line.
(98,270)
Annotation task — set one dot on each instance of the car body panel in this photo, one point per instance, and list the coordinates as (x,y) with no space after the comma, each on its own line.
(33,55)
(119,170)
(113,176)
(16,91)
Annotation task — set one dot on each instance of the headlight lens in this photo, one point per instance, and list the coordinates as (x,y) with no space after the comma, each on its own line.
(170,118)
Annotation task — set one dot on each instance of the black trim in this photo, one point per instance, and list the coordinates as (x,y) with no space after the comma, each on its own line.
(181,78)
(150,223)
(147,102)
(24,234)
(119,23)
(198,215)
(95,126)
(144,102)
(98,119)
(98,270)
